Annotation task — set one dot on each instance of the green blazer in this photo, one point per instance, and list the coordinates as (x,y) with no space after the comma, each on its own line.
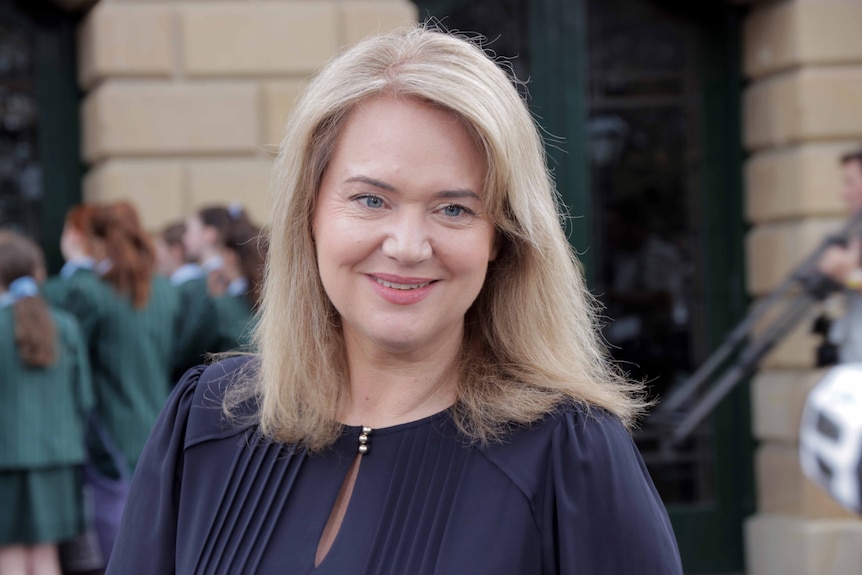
(130,353)
(235,323)
(43,410)
(196,332)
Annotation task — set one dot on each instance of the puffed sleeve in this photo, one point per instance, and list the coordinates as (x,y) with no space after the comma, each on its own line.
(604,512)
(146,544)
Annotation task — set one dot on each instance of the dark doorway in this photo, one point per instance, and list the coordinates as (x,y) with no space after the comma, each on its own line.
(40,171)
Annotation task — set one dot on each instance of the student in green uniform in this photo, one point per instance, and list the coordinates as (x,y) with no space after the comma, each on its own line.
(170,252)
(204,242)
(75,245)
(196,331)
(205,234)
(236,287)
(127,314)
(45,396)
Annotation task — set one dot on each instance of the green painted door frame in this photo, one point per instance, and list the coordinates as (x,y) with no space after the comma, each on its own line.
(558,99)
(55,49)
(710,535)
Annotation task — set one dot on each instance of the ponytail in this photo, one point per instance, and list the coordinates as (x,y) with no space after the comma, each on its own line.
(35,332)
(129,250)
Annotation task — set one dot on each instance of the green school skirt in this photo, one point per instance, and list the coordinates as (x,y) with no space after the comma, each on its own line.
(41,505)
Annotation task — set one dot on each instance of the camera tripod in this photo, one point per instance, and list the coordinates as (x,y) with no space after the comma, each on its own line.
(685,407)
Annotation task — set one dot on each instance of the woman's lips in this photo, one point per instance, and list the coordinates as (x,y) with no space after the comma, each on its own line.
(401,290)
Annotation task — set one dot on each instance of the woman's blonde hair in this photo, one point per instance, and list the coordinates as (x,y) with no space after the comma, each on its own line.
(530,339)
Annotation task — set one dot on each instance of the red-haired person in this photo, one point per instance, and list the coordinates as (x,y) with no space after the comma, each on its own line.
(76,247)
(45,396)
(127,314)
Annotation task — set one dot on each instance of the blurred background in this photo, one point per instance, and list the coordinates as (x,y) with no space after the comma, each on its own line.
(695,145)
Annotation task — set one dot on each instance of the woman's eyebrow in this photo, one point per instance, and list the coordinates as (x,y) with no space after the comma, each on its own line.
(458,193)
(446,194)
(372,182)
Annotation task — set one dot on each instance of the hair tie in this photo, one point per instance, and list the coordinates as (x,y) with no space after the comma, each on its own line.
(21,288)
(235,210)
(25,286)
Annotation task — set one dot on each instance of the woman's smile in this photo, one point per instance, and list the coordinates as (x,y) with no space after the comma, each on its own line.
(401,291)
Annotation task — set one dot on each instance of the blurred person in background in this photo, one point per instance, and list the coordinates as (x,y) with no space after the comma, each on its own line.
(196,330)
(843,263)
(77,248)
(170,251)
(45,399)
(205,233)
(127,314)
(203,239)
(236,287)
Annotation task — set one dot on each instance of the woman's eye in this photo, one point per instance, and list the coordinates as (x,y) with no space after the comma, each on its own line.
(454,210)
(372,201)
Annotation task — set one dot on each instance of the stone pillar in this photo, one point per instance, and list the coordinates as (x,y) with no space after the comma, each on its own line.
(186,100)
(802,109)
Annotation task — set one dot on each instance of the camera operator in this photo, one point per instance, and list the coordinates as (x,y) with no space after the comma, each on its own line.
(843,264)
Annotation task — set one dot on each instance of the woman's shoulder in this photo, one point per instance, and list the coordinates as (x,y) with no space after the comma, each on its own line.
(570,422)
(201,396)
(572,432)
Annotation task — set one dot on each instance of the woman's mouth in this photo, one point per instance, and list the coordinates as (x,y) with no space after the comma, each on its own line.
(401,286)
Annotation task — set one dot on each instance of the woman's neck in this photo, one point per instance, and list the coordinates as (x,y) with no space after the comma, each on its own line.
(389,388)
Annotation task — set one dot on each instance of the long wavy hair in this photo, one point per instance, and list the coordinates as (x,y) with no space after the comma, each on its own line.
(530,341)
(35,332)
(128,246)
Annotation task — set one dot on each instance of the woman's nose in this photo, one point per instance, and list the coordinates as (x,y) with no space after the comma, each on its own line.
(407,239)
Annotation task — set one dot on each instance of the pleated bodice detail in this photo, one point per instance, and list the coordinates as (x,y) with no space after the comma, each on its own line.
(267,508)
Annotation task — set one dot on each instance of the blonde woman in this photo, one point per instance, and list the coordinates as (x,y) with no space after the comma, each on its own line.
(430,395)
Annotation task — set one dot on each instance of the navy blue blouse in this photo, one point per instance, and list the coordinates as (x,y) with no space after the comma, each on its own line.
(567,495)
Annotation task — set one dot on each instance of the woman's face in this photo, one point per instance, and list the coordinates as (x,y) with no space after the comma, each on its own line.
(402,241)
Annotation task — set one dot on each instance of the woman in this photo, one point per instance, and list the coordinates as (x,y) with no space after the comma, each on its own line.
(236,287)
(430,395)
(127,315)
(45,396)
